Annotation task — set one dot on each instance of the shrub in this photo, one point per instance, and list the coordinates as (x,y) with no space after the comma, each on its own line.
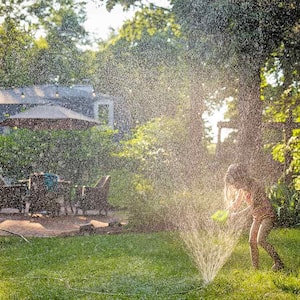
(79,156)
(285,200)
(121,191)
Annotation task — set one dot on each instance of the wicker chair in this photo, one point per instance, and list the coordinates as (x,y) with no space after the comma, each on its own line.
(93,198)
(12,196)
(41,198)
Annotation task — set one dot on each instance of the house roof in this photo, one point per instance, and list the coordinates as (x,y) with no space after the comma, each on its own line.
(51,112)
(43,94)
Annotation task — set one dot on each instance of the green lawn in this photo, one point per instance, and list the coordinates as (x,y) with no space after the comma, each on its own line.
(139,266)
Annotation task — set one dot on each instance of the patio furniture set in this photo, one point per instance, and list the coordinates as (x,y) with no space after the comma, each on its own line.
(43,191)
(47,194)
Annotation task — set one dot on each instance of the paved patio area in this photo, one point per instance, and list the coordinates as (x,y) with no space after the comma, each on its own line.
(40,225)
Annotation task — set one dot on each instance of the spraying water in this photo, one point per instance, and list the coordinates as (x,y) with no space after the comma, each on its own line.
(209,242)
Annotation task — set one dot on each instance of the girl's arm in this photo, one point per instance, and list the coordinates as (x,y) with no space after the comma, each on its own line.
(237,202)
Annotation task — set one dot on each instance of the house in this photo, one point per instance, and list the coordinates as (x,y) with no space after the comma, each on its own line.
(108,110)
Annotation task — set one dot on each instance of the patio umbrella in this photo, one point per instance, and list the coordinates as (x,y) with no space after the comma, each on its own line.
(49,117)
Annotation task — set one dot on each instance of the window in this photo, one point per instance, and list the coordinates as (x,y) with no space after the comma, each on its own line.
(104,112)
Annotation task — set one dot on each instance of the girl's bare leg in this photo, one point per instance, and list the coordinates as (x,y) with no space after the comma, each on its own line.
(264,230)
(253,243)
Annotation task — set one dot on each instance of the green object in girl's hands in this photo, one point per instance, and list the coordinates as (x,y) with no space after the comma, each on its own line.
(220,216)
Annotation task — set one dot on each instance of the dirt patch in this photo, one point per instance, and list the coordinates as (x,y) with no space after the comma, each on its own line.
(46,226)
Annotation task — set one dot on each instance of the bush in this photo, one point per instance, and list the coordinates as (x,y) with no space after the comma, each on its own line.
(146,207)
(121,191)
(285,200)
(79,156)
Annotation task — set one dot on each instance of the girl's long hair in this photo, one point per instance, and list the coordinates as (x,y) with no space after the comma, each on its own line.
(236,173)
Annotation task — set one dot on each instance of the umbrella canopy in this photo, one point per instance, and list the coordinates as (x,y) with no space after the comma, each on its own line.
(49,117)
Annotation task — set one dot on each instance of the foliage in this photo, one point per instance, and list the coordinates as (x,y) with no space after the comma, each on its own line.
(110,4)
(122,191)
(151,19)
(15,55)
(157,155)
(281,100)
(42,13)
(62,60)
(138,266)
(157,150)
(286,201)
(241,33)
(228,43)
(240,37)
(293,148)
(26,60)
(80,156)
(148,74)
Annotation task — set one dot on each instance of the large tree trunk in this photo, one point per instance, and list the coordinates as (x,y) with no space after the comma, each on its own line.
(195,130)
(249,144)
(288,133)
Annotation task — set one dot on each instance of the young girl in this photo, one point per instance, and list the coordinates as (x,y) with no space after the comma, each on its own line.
(253,194)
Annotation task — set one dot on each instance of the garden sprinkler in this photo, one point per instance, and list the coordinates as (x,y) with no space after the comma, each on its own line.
(220,216)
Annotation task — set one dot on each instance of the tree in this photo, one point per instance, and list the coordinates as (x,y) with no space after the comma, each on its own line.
(239,36)
(15,55)
(158,63)
(56,55)
(59,57)
(281,100)
(242,35)
(144,68)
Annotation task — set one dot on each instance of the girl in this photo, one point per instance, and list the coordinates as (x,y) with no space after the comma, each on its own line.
(263,216)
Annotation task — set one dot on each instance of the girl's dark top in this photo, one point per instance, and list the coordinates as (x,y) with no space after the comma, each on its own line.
(260,203)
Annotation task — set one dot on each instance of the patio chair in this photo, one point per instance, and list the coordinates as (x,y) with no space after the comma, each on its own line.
(12,196)
(93,198)
(64,195)
(43,195)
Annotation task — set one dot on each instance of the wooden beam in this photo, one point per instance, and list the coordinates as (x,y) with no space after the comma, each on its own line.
(268,125)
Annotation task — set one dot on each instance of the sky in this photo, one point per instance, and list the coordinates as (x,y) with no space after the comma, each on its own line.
(99,20)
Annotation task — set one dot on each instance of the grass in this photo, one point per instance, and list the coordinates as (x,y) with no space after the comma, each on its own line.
(139,266)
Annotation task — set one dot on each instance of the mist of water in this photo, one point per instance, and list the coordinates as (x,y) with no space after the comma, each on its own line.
(210,243)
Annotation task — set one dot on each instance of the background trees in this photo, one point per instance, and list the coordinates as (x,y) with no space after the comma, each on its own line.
(236,39)
(15,56)
(241,37)
(168,66)
(234,49)
(27,58)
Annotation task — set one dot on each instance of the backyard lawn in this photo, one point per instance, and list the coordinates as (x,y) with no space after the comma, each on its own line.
(139,266)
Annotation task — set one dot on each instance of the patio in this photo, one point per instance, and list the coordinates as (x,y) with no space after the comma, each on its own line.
(12,222)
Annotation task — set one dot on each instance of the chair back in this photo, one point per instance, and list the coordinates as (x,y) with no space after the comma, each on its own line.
(41,197)
(36,183)
(100,182)
(2,181)
(93,197)
(105,185)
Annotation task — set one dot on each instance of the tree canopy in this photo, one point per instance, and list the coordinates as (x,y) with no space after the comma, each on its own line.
(27,58)
(183,59)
